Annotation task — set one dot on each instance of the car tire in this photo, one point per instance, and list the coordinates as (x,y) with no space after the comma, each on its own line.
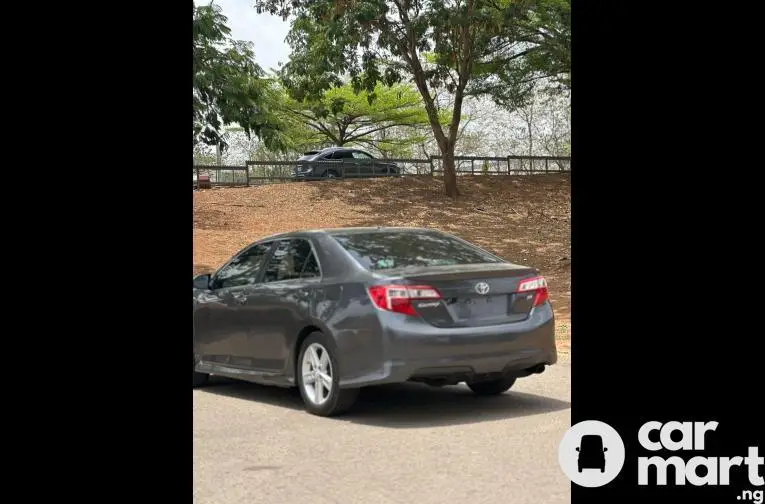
(199,378)
(492,387)
(337,400)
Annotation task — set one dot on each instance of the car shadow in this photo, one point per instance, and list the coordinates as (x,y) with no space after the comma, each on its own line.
(406,405)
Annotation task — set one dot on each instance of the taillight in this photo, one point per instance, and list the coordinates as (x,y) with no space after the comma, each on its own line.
(398,298)
(538,284)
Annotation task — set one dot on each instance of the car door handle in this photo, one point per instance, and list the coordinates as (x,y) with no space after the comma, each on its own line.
(241,298)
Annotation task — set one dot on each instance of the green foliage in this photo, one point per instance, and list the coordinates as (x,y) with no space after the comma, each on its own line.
(547,29)
(536,53)
(390,122)
(375,41)
(229,87)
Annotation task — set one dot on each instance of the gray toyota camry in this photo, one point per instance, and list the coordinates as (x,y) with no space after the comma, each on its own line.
(334,310)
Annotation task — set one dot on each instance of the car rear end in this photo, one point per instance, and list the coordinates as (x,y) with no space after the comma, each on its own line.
(387,169)
(448,311)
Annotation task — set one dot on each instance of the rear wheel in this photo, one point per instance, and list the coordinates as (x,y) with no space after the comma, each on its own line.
(318,378)
(492,387)
(199,378)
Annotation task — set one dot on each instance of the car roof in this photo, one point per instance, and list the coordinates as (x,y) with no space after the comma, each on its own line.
(347,230)
(333,149)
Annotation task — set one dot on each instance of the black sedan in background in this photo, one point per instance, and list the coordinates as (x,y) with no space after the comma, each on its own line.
(341,162)
(334,310)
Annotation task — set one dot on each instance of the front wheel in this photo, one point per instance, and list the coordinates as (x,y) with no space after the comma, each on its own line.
(318,378)
(492,387)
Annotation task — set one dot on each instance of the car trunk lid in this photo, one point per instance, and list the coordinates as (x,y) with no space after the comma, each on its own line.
(471,295)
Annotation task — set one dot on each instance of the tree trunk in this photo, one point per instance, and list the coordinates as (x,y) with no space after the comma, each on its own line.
(450,172)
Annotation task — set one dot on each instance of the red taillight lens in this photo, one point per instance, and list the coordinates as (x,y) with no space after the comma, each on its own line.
(398,298)
(538,284)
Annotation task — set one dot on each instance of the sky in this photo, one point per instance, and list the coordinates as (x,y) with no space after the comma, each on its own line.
(265,31)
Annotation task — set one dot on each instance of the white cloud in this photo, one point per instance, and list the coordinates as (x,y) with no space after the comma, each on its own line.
(265,31)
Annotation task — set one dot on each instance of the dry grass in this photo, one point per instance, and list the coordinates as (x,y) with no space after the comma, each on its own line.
(524,219)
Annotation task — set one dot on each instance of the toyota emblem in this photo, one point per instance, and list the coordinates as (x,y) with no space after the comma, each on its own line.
(482,288)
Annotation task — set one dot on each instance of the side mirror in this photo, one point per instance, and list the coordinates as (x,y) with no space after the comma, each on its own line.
(202,282)
(577,448)
(605,449)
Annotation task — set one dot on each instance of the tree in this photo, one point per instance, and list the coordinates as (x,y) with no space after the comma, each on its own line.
(229,87)
(384,41)
(392,120)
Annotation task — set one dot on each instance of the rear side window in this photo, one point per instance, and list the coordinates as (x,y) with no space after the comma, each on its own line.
(406,249)
(291,259)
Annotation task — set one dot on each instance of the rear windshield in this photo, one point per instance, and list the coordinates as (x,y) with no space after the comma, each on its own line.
(407,249)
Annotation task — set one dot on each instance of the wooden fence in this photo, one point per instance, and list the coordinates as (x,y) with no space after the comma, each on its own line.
(268,172)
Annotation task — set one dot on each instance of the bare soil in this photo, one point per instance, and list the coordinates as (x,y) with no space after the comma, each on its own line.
(525,219)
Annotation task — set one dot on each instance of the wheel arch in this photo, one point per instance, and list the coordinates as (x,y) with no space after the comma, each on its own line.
(306,331)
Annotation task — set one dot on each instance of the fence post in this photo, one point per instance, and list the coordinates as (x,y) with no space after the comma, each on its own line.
(547,170)
(246,175)
(472,166)
(432,168)
(508,165)
(197,177)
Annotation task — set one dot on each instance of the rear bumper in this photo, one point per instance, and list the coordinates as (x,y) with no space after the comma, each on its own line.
(418,351)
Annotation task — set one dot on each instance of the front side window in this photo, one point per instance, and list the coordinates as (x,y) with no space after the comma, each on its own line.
(243,270)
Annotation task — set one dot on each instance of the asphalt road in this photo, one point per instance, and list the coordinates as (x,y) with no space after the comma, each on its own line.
(401,444)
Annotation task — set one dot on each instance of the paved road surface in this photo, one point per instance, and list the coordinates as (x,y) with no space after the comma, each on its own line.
(402,444)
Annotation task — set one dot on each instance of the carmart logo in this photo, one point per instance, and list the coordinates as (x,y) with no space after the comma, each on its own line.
(592,455)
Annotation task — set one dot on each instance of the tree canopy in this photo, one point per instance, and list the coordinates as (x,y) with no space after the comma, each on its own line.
(341,116)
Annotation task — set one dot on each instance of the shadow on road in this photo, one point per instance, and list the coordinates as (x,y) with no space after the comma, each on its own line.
(407,405)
